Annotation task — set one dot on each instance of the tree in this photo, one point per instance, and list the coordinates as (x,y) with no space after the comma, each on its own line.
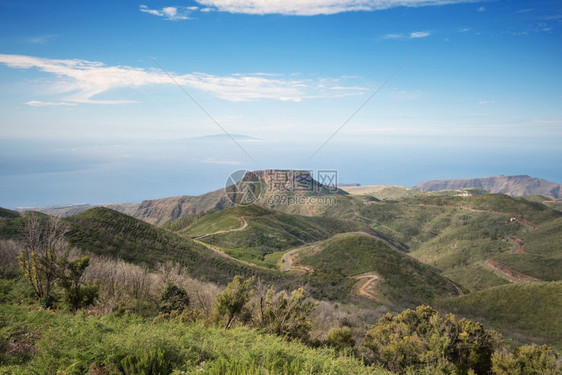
(232,301)
(421,339)
(44,241)
(526,360)
(77,294)
(173,298)
(286,315)
(46,260)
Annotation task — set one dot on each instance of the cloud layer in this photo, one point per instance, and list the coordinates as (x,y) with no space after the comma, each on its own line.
(80,81)
(314,7)
(170,13)
(412,35)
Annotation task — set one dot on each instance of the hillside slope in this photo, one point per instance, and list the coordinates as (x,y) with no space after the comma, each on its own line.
(510,185)
(266,231)
(338,262)
(530,311)
(106,232)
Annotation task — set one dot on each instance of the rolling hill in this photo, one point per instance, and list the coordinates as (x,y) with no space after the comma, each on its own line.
(106,232)
(260,235)
(339,262)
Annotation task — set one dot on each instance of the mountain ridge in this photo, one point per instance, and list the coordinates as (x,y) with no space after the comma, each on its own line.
(515,186)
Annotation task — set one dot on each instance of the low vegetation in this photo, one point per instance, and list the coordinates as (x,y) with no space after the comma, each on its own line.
(528,311)
(403,280)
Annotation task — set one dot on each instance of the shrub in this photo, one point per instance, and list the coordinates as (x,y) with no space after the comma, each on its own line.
(286,315)
(173,298)
(526,360)
(340,339)
(231,303)
(420,338)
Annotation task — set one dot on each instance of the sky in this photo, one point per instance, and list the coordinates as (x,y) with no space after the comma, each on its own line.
(121,101)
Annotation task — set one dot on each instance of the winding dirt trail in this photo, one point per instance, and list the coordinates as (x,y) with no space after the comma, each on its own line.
(243,225)
(224,254)
(290,263)
(518,245)
(532,227)
(370,282)
(507,273)
(221,252)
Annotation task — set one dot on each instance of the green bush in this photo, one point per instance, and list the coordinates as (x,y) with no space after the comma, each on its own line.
(526,360)
(418,339)
(173,298)
(340,339)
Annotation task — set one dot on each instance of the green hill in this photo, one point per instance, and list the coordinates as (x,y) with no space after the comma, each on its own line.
(10,223)
(267,234)
(530,311)
(107,232)
(5,213)
(402,279)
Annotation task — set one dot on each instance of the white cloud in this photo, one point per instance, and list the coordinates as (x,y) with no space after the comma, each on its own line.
(481,9)
(419,34)
(80,81)
(484,102)
(412,35)
(170,13)
(315,7)
(37,103)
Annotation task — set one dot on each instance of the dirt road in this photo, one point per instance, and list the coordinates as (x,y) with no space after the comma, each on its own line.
(243,225)
(370,282)
(507,273)
(518,245)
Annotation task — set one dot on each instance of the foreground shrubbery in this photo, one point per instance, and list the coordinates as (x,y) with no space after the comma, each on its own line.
(163,323)
(45,342)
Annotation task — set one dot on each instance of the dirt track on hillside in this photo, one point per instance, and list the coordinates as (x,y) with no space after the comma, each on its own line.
(518,245)
(222,253)
(370,282)
(243,225)
(508,273)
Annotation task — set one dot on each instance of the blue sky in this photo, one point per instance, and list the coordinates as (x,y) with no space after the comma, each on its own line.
(87,115)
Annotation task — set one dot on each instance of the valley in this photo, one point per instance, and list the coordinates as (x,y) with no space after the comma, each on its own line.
(488,257)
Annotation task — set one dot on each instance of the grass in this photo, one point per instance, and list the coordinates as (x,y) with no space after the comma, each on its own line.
(474,277)
(530,311)
(72,344)
(212,223)
(546,240)
(404,279)
(543,268)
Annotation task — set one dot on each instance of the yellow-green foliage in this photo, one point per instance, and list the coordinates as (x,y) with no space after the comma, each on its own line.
(526,360)
(231,302)
(73,344)
(286,315)
(417,339)
(340,338)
